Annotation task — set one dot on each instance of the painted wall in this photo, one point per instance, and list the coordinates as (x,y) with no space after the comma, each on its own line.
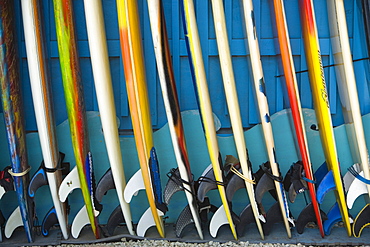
(275,91)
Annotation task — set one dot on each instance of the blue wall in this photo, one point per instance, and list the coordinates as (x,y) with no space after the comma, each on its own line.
(276,96)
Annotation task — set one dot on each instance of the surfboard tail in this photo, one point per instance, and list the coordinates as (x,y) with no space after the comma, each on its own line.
(296,182)
(135,184)
(88,213)
(206,182)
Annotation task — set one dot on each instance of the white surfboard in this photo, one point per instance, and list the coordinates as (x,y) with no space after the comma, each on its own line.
(105,96)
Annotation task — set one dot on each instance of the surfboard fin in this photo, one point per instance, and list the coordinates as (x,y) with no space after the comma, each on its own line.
(294,182)
(355,190)
(133,186)
(327,184)
(206,183)
(246,217)
(265,184)
(81,219)
(274,216)
(355,183)
(114,220)
(234,184)
(14,221)
(185,218)
(321,172)
(146,221)
(6,181)
(38,180)
(362,220)
(219,219)
(348,178)
(50,220)
(173,185)
(333,217)
(2,222)
(105,183)
(69,183)
(307,215)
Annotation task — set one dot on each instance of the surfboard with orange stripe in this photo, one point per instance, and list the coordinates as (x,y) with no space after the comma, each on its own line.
(133,61)
(296,109)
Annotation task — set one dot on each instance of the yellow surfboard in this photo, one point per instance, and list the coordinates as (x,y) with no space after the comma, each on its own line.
(322,110)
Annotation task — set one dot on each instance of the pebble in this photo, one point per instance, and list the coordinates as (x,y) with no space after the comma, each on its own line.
(164,243)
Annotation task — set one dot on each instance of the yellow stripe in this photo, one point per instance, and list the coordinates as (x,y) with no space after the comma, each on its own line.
(205,106)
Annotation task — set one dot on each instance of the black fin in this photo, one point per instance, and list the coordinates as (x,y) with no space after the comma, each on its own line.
(114,220)
(206,183)
(49,221)
(6,180)
(265,184)
(38,180)
(307,215)
(173,185)
(204,208)
(2,219)
(185,218)
(293,182)
(246,217)
(362,220)
(273,216)
(292,192)
(235,183)
(2,222)
(66,166)
(106,183)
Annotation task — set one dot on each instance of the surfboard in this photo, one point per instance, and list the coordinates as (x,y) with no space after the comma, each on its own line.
(148,176)
(296,111)
(322,111)
(224,215)
(105,96)
(366,16)
(172,105)
(259,87)
(43,105)
(351,111)
(12,103)
(233,105)
(82,175)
